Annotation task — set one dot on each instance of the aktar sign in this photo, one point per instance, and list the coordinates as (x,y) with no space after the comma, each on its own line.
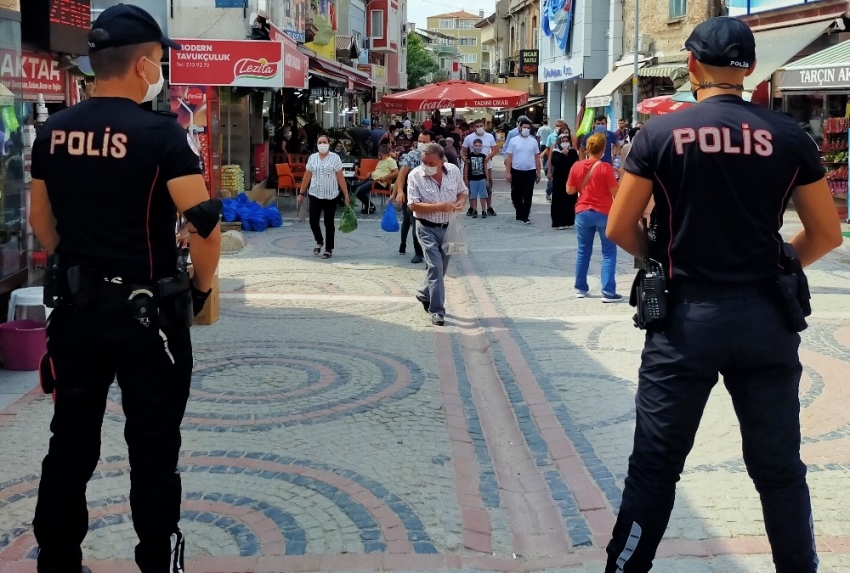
(815,78)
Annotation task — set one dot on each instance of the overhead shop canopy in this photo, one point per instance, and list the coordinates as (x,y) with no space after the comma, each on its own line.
(674,71)
(775,48)
(827,69)
(600,95)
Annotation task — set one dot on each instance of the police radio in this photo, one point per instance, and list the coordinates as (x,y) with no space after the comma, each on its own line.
(649,292)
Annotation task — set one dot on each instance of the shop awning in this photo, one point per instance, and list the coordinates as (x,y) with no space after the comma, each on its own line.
(672,70)
(600,95)
(338,71)
(827,69)
(775,48)
(533,102)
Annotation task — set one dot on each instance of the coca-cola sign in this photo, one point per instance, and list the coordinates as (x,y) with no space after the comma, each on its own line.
(227,63)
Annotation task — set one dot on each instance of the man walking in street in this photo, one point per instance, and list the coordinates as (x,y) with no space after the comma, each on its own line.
(612,145)
(522,170)
(435,193)
(410,161)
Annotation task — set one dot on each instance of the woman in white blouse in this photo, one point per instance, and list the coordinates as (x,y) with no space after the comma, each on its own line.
(324,179)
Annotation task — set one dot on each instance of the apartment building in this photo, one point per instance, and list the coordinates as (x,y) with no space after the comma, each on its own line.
(461,25)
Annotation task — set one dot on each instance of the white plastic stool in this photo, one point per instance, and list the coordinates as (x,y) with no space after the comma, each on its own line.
(30,296)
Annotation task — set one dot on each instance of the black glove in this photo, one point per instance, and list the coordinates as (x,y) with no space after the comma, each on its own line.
(199,299)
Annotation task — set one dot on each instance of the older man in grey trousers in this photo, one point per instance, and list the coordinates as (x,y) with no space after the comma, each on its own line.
(435,192)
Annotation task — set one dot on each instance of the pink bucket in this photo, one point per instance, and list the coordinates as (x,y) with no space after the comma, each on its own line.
(23,343)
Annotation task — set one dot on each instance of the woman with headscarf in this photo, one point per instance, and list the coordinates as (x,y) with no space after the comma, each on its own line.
(563,206)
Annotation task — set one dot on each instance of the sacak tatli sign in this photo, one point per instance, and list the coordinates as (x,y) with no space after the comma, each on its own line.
(815,78)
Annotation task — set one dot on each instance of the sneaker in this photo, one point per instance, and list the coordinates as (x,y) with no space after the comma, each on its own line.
(178,550)
(611,297)
(402,249)
(416,259)
(483,214)
(425,304)
(582,294)
(469,212)
(491,212)
(526,222)
(372,208)
(438,320)
(475,214)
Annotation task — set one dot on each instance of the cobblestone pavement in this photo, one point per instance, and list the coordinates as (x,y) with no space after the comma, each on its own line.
(332,428)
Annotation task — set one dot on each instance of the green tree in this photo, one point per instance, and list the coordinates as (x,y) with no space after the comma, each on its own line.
(420,62)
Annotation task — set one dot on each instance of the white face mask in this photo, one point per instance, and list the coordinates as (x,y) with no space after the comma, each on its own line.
(155,88)
(525,131)
(421,146)
(429,171)
(323,147)
(565,145)
(479,131)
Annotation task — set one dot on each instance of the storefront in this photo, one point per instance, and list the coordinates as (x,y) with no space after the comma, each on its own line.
(222,93)
(336,91)
(13,159)
(816,92)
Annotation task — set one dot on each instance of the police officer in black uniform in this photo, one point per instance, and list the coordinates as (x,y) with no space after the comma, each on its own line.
(109,179)
(721,174)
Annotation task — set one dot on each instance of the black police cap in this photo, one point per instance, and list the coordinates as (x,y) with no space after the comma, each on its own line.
(723,42)
(126,25)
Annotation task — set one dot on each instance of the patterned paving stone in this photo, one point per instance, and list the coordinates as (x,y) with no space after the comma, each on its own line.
(332,428)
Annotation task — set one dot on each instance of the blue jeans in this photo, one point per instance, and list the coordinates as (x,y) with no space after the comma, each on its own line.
(587,224)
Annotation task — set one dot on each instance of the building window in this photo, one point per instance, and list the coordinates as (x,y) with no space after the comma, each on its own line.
(678,9)
(445,64)
(448,24)
(467,24)
(377,24)
(468,41)
(534,34)
(469,58)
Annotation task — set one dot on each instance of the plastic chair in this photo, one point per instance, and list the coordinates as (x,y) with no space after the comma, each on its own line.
(285,181)
(365,169)
(27,297)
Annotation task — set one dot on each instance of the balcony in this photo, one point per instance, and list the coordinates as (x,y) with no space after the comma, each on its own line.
(507,67)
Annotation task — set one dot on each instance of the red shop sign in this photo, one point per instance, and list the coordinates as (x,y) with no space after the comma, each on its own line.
(295,63)
(245,63)
(31,74)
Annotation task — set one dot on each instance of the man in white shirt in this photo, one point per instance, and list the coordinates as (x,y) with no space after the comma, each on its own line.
(488,144)
(522,170)
(435,190)
(514,132)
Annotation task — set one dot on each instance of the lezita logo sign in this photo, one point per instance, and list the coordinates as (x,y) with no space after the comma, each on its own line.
(228,63)
(260,69)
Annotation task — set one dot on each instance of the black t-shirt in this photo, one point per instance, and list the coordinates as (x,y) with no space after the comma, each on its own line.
(477,169)
(106,163)
(722,174)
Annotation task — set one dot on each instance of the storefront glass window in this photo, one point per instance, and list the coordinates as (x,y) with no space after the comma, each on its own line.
(14,171)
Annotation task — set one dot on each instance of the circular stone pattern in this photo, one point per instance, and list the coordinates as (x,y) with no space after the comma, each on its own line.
(246,387)
(238,517)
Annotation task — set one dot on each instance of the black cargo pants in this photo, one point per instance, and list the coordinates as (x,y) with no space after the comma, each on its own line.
(90,347)
(741,336)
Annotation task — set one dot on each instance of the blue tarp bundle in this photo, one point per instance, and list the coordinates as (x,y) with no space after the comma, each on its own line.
(253,216)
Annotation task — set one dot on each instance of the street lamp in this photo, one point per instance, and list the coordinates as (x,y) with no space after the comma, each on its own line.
(635,75)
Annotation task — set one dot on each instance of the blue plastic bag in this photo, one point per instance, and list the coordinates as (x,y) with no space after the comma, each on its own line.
(273,216)
(389,222)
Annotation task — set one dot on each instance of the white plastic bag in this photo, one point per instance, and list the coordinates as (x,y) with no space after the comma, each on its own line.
(455,241)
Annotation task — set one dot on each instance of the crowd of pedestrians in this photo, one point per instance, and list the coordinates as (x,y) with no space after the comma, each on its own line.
(582,180)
